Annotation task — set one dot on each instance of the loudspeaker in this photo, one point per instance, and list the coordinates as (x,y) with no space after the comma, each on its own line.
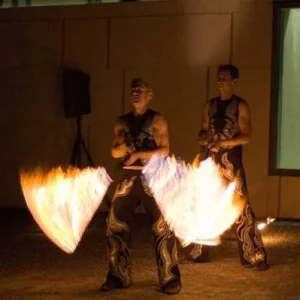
(76,93)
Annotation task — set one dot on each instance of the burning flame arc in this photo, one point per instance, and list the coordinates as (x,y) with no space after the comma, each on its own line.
(195,202)
(64,202)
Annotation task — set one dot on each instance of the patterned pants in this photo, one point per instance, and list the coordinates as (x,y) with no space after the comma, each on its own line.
(131,191)
(251,248)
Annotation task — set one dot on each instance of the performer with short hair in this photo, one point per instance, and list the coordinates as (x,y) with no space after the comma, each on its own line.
(226,127)
(139,134)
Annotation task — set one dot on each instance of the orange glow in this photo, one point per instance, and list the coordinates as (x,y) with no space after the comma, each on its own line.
(262,225)
(63,202)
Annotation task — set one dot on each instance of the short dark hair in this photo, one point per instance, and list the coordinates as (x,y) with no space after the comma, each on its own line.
(234,71)
(143,81)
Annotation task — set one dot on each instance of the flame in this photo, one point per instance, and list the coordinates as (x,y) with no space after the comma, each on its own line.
(63,202)
(262,225)
(194,200)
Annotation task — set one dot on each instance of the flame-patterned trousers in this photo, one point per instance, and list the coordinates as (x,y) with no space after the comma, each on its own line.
(130,192)
(250,244)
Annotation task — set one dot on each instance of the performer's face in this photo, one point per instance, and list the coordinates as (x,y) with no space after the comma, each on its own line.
(139,96)
(225,83)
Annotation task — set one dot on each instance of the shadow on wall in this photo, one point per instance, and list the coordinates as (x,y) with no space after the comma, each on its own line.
(34,132)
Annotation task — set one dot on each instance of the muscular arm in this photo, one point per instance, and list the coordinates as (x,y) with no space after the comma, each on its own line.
(202,135)
(119,148)
(244,122)
(161,136)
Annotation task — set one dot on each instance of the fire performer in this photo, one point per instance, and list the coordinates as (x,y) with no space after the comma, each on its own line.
(226,127)
(138,135)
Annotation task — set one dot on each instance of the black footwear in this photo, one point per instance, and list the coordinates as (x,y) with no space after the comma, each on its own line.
(172,287)
(111,283)
(203,257)
(200,254)
(261,266)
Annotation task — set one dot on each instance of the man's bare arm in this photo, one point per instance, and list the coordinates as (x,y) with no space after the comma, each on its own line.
(244,122)
(161,135)
(119,148)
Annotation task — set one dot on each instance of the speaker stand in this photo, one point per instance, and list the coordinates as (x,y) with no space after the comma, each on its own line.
(79,144)
(76,153)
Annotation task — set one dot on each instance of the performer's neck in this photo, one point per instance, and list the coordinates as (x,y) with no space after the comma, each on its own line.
(139,111)
(226,96)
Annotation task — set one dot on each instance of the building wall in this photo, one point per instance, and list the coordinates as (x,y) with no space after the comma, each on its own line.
(176,44)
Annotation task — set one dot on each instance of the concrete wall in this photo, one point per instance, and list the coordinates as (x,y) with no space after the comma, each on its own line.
(177,44)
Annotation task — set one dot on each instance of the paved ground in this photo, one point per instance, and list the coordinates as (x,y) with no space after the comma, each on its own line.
(31,267)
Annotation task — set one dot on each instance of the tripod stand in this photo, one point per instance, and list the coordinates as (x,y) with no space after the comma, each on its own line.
(76,158)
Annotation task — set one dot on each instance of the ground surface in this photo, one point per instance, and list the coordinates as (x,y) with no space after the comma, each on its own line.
(31,267)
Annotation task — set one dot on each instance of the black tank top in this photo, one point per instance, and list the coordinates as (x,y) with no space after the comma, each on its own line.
(138,131)
(223,120)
